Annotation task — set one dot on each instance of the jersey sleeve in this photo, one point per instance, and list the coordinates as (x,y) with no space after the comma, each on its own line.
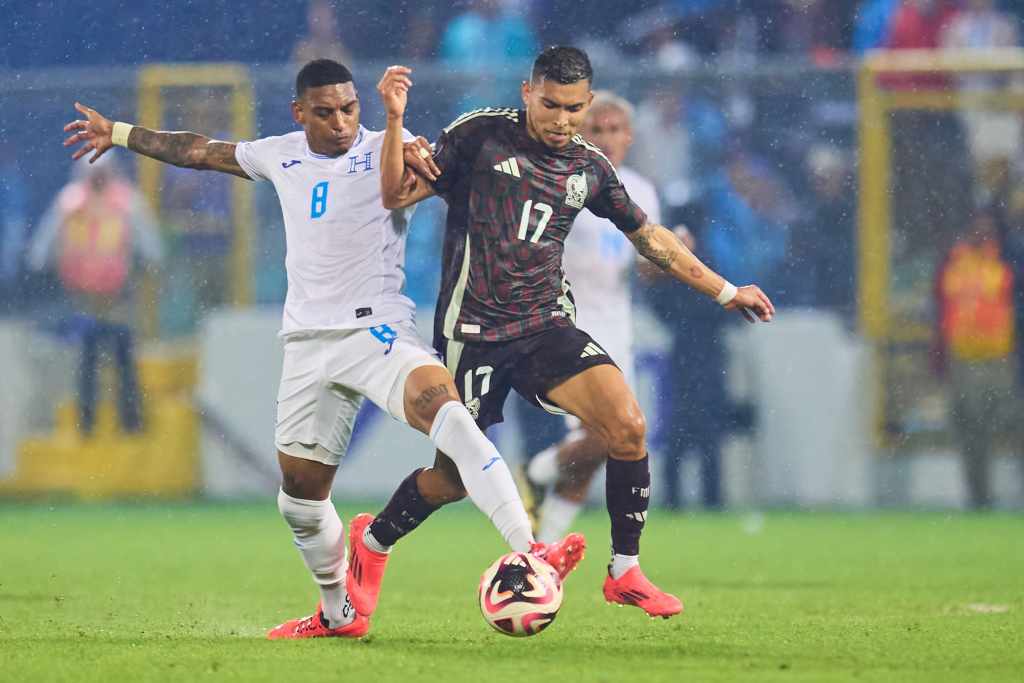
(254,158)
(450,152)
(611,201)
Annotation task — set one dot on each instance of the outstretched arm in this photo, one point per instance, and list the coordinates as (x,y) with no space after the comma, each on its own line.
(188,150)
(400,186)
(664,249)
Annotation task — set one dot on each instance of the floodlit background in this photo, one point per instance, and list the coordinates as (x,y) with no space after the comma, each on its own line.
(877,197)
(861,160)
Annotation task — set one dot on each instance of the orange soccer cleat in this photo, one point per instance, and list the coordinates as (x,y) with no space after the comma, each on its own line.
(365,567)
(313,627)
(633,588)
(563,555)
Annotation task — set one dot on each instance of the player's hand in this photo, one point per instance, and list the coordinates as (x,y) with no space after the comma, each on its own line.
(753,304)
(95,131)
(420,158)
(394,89)
(409,181)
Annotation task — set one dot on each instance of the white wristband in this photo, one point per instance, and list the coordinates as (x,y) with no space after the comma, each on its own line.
(727,294)
(119,136)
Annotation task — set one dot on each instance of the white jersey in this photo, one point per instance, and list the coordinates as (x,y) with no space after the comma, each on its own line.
(345,251)
(598,261)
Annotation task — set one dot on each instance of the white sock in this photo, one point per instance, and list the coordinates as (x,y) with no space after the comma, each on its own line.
(543,467)
(371,542)
(556,515)
(320,538)
(484,473)
(622,564)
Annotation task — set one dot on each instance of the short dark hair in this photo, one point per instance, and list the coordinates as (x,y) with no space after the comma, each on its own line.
(563,65)
(321,72)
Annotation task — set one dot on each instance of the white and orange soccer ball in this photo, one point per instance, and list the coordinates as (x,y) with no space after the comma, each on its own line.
(520,594)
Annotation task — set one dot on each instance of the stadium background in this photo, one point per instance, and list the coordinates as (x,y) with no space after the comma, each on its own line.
(845,551)
(749,105)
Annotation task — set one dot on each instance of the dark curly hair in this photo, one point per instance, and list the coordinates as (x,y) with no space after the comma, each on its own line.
(320,72)
(562,64)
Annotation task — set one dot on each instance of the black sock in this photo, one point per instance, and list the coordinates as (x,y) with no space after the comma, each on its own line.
(627,494)
(404,512)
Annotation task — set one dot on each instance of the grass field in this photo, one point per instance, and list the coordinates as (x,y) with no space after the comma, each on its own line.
(186,592)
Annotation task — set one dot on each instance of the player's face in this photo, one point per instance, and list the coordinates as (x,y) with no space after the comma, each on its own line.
(608,128)
(330,116)
(554,112)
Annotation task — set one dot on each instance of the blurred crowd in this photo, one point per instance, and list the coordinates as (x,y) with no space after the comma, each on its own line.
(764,175)
(678,31)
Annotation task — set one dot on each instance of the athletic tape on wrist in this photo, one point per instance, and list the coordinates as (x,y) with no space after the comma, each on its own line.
(119,136)
(727,294)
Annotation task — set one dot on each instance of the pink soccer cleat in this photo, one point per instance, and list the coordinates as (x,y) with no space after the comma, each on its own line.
(365,567)
(633,588)
(313,627)
(563,555)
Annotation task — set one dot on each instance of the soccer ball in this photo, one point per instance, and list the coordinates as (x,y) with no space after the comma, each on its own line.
(520,594)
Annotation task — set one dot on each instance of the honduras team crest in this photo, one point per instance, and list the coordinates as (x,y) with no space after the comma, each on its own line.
(576,190)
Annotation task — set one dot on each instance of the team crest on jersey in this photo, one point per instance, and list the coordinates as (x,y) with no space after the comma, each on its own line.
(473,406)
(576,190)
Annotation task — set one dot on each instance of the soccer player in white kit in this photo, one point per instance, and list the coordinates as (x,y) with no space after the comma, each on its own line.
(598,261)
(348,330)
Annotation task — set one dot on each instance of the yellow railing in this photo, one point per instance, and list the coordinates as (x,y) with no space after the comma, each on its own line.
(875,207)
(153,81)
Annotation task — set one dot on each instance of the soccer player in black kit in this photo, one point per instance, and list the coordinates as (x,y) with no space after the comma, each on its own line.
(514,181)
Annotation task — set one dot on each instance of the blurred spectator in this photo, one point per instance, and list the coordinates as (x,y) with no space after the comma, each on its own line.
(422,35)
(197,210)
(816,29)
(678,141)
(980,26)
(919,25)
(13,199)
(871,24)
(92,233)
(486,39)
(926,205)
(749,211)
(662,143)
(976,331)
(670,52)
(695,412)
(488,33)
(821,256)
(322,40)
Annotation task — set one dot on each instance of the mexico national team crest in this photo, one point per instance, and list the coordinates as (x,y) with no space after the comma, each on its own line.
(576,190)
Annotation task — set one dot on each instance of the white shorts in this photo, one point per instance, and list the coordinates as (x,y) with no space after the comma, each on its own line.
(326,375)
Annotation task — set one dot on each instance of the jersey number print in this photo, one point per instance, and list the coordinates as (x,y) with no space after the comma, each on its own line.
(319,204)
(524,222)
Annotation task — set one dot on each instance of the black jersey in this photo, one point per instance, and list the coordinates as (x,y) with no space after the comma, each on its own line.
(511,202)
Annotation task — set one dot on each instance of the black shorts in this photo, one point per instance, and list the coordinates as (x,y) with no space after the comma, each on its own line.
(484,372)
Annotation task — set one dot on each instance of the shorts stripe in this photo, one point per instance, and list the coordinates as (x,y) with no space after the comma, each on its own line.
(452,356)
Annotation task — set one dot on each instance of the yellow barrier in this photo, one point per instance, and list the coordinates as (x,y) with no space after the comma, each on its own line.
(153,81)
(875,209)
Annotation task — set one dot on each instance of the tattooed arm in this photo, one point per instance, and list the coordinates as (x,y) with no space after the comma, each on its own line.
(188,150)
(663,248)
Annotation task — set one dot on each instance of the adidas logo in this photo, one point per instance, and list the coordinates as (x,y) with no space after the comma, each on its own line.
(509,166)
(592,349)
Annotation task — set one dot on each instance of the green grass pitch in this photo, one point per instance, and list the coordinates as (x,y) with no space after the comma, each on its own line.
(186,592)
